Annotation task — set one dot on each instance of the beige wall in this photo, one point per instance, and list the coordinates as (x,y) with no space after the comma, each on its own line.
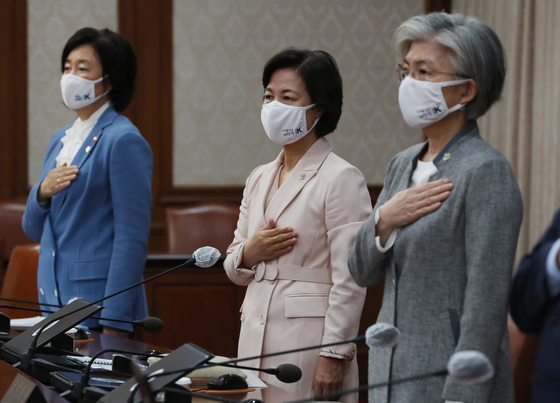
(219,50)
(50,24)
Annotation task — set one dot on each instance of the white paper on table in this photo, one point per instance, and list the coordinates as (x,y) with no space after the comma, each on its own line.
(99,363)
(253,381)
(26,322)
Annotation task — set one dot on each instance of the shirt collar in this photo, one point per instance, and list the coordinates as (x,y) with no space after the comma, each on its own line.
(82,128)
(472,126)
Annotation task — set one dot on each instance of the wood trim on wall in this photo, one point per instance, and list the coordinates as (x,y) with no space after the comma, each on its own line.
(437,5)
(13,99)
(148,25)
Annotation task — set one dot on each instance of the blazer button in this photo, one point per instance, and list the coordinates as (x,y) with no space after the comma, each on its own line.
(42,291)
(271,282)
(262,320)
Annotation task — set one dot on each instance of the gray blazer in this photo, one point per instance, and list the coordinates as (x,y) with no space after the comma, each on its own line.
(447,277)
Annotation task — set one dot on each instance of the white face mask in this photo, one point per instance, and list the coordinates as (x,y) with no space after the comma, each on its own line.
(285,124)
(422,102)
(78,92)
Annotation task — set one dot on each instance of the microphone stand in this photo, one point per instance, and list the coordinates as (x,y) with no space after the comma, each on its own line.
(442,372)
(133,322)
(235,360)
(78,388)
(30,302)
(28,356)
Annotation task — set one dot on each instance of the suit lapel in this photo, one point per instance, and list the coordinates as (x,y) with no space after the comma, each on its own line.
(83,153)
(303,172)
(93,138)
(265,183)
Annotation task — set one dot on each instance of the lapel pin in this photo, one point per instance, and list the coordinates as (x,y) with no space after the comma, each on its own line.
(95,138)
(446,156)
(302,177)
(87,149)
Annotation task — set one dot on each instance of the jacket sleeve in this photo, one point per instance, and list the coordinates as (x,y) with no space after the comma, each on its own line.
(365,261)
(130,176)
(493,214)
(232,263)
(530,297)
(343,217)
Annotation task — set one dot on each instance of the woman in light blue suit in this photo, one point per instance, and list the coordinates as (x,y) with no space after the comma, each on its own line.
(91,207)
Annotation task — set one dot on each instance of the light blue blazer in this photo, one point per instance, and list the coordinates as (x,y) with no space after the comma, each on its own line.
(94,233)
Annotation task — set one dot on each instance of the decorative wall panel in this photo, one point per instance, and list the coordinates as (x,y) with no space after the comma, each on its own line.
(50,24)
(220,48)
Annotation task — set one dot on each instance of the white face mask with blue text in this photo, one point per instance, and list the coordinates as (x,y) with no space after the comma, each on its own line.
(78,92)
(422,102)
(285,124)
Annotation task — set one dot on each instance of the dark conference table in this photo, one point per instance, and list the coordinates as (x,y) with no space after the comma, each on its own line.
(100,341)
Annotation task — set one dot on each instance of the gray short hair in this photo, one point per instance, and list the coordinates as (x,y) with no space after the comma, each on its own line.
(476,52)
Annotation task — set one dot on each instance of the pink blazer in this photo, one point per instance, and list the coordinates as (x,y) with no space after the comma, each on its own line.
(307,296)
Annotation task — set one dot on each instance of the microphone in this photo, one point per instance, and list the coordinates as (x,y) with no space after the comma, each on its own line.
(150,324)
(467,367)
(29,302)
(78,388)
(203,257)
(286,373)
(378,335)
(470,367)
(382,335)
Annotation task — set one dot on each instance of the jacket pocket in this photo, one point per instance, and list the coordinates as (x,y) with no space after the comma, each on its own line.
(306,305)
(89,270)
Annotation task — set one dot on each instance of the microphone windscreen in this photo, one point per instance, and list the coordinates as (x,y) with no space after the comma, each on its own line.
(469,367)
(288,373)
(152,324)
(382,335)
(206,256)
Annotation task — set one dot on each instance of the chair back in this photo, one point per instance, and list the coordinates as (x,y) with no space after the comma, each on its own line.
(20,281)
(523,348)
(205,224)
(11,214)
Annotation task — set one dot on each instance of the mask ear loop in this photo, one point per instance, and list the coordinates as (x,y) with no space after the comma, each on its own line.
(313,126)
(457,107)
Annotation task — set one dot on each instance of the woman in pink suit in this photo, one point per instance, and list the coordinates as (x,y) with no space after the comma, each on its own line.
(298,219)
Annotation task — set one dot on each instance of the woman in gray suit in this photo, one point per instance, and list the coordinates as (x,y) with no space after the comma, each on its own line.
(444,230)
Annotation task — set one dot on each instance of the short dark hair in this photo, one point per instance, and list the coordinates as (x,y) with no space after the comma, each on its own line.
(322,79)
(117,61)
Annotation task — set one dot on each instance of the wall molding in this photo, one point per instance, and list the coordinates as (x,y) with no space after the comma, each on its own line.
(13,99)
(148,25)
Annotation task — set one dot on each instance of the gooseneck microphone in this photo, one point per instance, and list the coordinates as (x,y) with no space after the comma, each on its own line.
(150,324)
(380,335)
(286,373)
(30,302)
(203,257)
(464,367)
(78,388)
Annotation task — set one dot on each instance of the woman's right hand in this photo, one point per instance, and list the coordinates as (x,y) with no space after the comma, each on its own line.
(268,243)
(56,180)
(411,204)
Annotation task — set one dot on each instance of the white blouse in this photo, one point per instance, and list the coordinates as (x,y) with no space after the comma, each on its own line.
(76,135)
